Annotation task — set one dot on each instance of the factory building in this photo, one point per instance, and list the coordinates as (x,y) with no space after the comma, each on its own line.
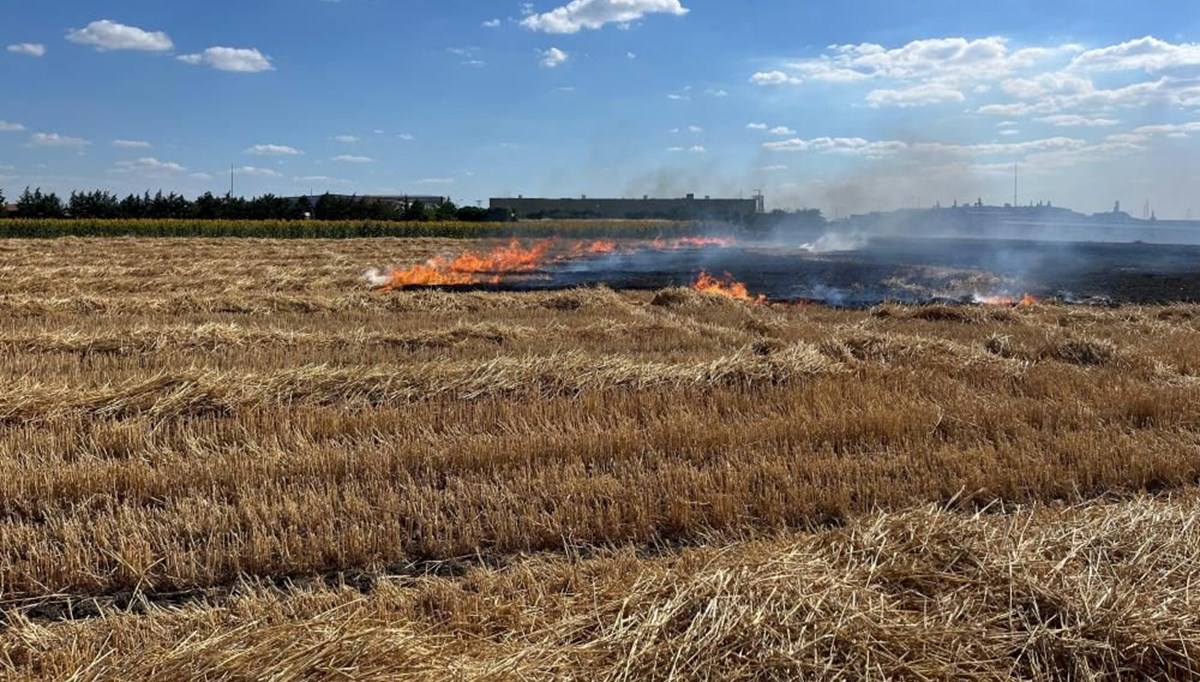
(687,208)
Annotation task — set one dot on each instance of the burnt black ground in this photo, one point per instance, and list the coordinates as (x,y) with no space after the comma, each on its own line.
(906,270)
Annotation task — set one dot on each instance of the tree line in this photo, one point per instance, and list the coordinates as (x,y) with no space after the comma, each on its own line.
(103,205)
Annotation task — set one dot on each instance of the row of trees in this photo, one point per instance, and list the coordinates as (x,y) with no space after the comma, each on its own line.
(105,205)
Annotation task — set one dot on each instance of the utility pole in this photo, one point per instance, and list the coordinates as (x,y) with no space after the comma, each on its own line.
(1015,167)
(231,181)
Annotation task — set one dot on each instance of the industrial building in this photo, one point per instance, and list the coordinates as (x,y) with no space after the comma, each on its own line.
(400,201)
(687,208)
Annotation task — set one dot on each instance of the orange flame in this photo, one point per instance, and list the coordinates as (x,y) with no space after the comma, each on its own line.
(506,259)
(1026,301)
(725,286)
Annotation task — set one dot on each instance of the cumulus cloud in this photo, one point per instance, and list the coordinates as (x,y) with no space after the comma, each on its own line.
(552,58)
(347,139)
(131,144)
(492,23)
(1147,54)
(782,131)
(9,127)
(1076,121)
(148,166)
(239,60)
(880,148)
(255,172)
(106,35)
(56,140)
(351,158)
(952,61)
(757,126)
(28,49)
(407,137)
(273,150)
(594,14)
(1164,92)
(838,145)
(915,96)
(775,78)
(320,179)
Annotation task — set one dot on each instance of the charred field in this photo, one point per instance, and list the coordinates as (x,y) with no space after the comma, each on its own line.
(234,459)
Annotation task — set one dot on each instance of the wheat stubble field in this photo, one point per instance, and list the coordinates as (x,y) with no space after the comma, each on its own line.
(230,460)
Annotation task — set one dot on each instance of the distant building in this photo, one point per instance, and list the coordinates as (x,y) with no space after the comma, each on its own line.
(400,200)
(687,208)
(10,209)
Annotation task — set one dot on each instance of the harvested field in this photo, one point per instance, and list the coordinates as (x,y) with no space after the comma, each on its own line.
(251,466)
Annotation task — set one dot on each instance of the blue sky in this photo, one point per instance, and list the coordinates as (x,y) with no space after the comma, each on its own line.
(844,106)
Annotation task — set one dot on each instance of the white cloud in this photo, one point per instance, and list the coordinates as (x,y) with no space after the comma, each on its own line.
(347,139)
(1147,54)
(695,129)
(351,158)
(240,60)
(1170,129)
(492,23)
(716,92)
(697,149)
(950,61)
(1071,158)
(200,176)
(593,14)
(148,166)
(1164,92)
(435,181)
(131,144)
(407,137)
(838,145)
(254,172)
(775,78)
(915,96)
(56,140)
(1046,84)
(9,127)
(1072,120)
(106,35)
(320,179)
(630,55)
(757,126)
(273,150)
(773,168)
(880,148)
(28,49)
(552,58)
(1010,132)
(1011,148)
(781,131)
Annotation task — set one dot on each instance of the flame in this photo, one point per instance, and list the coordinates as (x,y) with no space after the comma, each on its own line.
(429,274)
(505,259)
(597,248)
(725,286)
(702,242)
(1026,301)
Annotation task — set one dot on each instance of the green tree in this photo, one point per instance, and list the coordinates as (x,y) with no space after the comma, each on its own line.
(415,212)
(37,205)
(445,210)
